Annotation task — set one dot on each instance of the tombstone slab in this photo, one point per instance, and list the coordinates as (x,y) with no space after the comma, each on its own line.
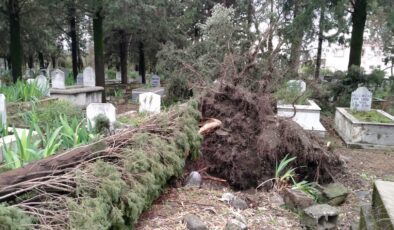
(3,110)
(42,84)
(118,76)
(89,77)
(58,79)
(155,81)
(361,100)
(150,103)
(95,109)
(80,79)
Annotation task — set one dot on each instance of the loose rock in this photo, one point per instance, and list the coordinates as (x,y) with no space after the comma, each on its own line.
(194,180)
(335,193)
(296,199)
(227,197)
(235,225)
(238,203)
(193,222)
(321,216)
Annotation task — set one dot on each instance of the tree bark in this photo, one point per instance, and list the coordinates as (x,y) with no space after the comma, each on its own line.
(15,40)
(53,60)
(30,62)
(98,38)
(5,63)
(123,45)
(295,52)
(74,41)
(41,60)
(359,17)
(320,41)
(142,62)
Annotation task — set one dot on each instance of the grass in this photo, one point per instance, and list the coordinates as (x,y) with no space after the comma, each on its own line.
(371,116)
(22,92)
(134,121)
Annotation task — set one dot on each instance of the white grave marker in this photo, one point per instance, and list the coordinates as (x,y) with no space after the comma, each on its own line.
(95,109)
(42,84)
(58,79)
(89,78)
(30,81)
(3,110)
(155,81)
(80,79)
(361,100)
(149,102)
(300,83)
(118,76)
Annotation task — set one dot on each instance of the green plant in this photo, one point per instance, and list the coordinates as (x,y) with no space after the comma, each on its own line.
(51,142)
(118,93)
(22,91)
(75,133)
(371,116)
(3,129)
(111,73)
(290,93)
(70,79)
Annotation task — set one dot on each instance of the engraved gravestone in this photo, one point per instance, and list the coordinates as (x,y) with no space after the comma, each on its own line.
(42,84)
(80,79)
(149,102)
(361,100)
(155,81)
(89,78)
(118,76)
(95,109)
(58,79)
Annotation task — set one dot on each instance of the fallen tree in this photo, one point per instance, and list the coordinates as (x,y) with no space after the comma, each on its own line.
(105,185)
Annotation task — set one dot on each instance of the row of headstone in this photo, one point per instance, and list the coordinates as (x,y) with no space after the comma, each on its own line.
(87,79)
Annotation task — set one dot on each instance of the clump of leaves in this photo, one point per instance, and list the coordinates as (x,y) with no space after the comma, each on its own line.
(13,218)
(102,124)
(290,93)
(22,92)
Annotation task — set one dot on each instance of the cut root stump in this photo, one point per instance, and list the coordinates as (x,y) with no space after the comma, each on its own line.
(209,126)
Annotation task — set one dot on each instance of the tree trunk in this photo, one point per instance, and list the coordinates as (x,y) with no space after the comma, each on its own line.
(98,38)
(41,60)
(15,40)
(359,17)
(74,41)
(320,41)
(123,45)
(53,60)
(30,61)
(9,63)
(80,61)
(295,52)
(142,62)
(5,63)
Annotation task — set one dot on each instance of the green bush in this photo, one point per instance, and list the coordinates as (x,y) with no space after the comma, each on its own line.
(177,90)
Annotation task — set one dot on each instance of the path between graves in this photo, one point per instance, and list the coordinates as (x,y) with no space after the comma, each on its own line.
(361,167)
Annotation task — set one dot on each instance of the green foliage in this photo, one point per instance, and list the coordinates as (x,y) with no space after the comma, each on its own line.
(3,130)
(13,219)
(371,116)
(70,79)
(22,91)
(289,92)
(102,124)
(111,73)
(134,121)
(110,198)
(118,93)
(177,90)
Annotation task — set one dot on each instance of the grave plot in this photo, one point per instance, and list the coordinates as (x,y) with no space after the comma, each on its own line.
(80,95)
(306,114)
(363,127)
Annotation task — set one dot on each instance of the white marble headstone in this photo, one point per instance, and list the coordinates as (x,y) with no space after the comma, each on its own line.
(95,109)
(155,81)
(300,83)
(149,102)
(361,100)
(42,84)
(58,79)
(3,110)
(30,81)
(118,76)
(89,77)
(80,79)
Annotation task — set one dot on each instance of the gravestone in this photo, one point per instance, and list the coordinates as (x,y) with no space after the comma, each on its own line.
(80,79)
(95,109)
(30,81)
(58,79)
(155,81)
(149,102)
(361,100)
(3,111)
(118,76)
(42,84)
(298,83)
(89,78)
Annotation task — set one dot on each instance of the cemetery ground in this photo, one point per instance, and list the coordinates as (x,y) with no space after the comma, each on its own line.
(265,209)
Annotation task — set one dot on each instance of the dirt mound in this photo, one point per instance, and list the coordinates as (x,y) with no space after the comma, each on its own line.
(252,140)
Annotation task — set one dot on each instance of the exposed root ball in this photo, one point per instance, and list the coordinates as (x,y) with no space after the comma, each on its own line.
(251,140)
